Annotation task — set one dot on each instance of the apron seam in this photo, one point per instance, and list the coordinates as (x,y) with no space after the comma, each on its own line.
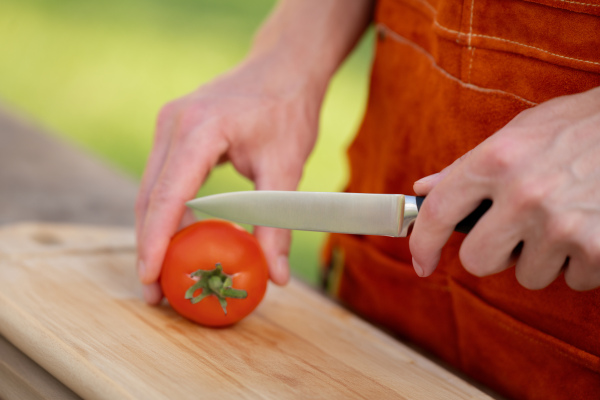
(401,39)
(514,42)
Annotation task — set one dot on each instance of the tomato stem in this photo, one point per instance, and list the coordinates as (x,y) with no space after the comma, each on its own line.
(214,282)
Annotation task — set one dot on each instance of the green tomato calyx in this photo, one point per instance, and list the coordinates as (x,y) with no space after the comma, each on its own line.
(216,283)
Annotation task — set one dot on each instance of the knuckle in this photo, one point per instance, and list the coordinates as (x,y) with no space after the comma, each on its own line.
(561,229)
(201,115)
(191,116)
(187,121)
(165,114)
(529,195)
(433,207)
(499,156)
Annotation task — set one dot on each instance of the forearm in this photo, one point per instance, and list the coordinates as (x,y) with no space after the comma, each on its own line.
(311,38)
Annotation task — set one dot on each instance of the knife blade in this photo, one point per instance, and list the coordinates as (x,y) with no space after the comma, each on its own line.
(354,213)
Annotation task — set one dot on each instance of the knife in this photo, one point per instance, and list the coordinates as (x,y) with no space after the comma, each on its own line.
(355,213)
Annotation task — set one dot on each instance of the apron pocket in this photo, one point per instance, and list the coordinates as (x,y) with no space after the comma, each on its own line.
(584,6)
(531,49)
(554,35)
(516,359)
(389,293)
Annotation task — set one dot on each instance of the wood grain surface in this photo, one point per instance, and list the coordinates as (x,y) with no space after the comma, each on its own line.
(69,299)
(21,378)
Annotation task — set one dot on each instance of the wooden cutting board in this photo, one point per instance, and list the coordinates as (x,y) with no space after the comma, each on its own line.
(69,299)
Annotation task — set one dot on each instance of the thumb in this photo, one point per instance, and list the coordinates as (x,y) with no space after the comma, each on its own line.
(423,186)
(276,242)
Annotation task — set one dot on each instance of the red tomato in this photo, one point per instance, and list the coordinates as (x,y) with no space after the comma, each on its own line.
(214,273)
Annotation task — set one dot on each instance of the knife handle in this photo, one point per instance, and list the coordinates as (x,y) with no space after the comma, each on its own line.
(470,220)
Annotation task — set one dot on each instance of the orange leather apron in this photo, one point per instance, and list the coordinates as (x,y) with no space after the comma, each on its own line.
(446,75)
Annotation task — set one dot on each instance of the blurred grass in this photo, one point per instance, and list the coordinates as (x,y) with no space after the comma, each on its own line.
(96,73)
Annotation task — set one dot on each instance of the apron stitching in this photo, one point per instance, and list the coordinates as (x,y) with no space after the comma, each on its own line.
(513,42)
(471,23)
(402,39)
(434,11)
(470,35)
(578,3)
(471,64)
(469,41)
(585,363)
(537,48)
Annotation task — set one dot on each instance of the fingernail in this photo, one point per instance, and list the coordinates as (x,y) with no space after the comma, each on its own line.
(418,268)
(426,179)
(141,269)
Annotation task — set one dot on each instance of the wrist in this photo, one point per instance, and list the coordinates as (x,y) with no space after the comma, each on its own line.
(307,40)
(279,69)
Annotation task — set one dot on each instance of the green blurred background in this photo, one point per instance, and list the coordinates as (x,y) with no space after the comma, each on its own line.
(97,72)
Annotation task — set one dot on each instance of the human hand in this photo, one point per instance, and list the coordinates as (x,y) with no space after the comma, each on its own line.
(542,172)
(262,119)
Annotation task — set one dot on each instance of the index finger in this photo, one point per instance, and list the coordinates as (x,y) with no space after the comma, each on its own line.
(448,203)
(185,169)
(164,125)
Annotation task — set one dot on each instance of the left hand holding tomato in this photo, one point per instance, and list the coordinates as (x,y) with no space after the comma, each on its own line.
(542,173)
(214,273)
